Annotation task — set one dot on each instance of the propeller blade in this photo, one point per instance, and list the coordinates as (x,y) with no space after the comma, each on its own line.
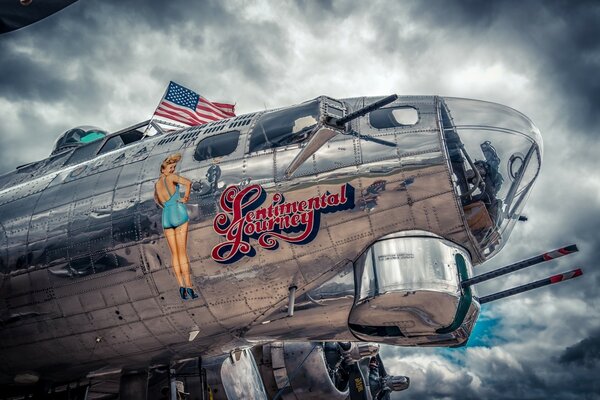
(356,384)
(382,372)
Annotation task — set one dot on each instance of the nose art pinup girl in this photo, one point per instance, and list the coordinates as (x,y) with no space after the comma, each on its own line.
(175,220)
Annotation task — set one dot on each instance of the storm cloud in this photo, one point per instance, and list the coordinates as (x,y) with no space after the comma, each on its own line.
(108,63)
(586,352)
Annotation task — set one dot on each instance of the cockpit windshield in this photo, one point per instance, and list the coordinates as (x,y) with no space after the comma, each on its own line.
(78,136)
(284,127)
(495,154)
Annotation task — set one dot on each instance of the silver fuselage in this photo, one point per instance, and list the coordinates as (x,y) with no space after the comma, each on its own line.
(86,281)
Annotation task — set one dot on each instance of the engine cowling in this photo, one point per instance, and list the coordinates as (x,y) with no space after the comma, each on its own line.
(298,371)
(301,371)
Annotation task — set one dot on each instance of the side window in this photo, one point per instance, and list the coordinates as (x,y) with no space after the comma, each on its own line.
(217,146)
(111,144)
(284,127)
(121,140)
(393,117)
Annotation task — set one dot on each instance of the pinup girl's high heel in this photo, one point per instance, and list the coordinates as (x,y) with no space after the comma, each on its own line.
(183,293)
(191,293)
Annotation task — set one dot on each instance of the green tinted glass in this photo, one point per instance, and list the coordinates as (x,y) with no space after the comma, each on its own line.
(92,136)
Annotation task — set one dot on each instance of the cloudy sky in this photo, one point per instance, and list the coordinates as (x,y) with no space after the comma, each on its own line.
(107,63)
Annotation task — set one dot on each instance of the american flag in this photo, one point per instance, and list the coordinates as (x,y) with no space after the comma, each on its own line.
(184,106)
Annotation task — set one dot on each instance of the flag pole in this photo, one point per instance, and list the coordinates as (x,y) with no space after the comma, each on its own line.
(151,122)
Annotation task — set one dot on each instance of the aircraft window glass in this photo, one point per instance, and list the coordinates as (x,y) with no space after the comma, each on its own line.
(529,174)
(91,136)
(131,136)
(507,164)
(78,136)
(217,146)
(284,127)
(111,144)
(121,140)
(393,117)
(494,166)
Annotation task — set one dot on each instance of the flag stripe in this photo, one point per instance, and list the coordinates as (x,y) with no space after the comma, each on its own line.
(208,111)
(227,108)
(208,106)
(224,107)
(182,105)
(201,117)
(176,117)
(175,113)
(184,112)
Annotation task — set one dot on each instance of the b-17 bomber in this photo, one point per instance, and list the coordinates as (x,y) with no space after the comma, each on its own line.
(259,256)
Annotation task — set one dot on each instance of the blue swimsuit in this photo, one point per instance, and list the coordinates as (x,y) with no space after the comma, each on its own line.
(174,212)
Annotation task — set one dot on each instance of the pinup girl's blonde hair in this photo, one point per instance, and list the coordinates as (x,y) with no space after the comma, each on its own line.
(172,159)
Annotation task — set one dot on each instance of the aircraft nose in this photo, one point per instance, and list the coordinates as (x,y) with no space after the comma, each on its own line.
(484,115)
(495,155)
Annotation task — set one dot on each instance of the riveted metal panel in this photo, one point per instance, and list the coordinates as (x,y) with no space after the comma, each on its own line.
(241,379)
(82,218)
(3,249)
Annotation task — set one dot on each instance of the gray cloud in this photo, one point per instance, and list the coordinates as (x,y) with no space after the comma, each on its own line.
(558,36)
(586,352)
(28,80)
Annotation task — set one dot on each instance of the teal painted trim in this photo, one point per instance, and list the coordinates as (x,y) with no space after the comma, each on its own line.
(465,300)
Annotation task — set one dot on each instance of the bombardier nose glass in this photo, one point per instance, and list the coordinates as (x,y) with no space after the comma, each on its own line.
(495,154)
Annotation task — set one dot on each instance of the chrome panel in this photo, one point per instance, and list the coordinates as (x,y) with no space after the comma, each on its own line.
(407,264)
(102,214)
(259,166)
(284,156)
(342,151)
(408,288)
(296,371)
(319,314)
(422,137)
(240,377)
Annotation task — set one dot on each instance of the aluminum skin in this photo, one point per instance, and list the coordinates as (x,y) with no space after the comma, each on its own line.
(85,275)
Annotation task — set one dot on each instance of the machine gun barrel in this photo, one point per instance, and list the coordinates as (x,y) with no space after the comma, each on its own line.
(529,286)
(365,110)
(563,251)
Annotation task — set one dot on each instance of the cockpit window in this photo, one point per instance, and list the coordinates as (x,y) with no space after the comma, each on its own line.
(217,146)
(393,117)
(119,140)
(111,144)
(78,136)
(284,127)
